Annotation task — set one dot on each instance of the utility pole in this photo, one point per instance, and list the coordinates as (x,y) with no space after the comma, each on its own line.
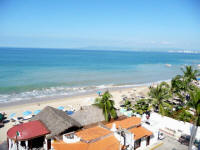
(120,141)
(17,134)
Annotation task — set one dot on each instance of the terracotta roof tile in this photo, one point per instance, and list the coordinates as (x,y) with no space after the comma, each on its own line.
(73,146)
(126,123)
(140,132)
(108,143)
(92,133)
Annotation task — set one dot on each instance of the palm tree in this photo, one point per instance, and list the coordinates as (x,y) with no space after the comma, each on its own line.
(142,106)
(127,104)
(159,94)
(195,104)
(180,87)
(182,84)
(107,105)
(190,73)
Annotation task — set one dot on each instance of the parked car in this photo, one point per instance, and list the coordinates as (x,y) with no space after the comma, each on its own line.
(184,139)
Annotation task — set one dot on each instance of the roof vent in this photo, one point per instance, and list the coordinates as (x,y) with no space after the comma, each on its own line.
(113,127)
(70,138)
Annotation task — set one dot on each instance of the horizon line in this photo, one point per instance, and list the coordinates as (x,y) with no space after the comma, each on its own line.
(172,50)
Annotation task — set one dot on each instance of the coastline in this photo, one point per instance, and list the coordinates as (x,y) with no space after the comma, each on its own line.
(75,101)
(77,94)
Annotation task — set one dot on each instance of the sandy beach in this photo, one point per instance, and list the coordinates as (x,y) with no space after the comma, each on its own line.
(75,101)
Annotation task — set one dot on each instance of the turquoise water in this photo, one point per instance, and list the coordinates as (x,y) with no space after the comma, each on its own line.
(27,73)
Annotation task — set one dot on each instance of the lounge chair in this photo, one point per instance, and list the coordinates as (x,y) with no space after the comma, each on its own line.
(16,123)
(27,117)
(13,119)
(71,108)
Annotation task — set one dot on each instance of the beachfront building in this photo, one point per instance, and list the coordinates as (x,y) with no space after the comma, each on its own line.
(121,134)
(57,121)
(28,136)
(82,130)
(48,125)
(91,114)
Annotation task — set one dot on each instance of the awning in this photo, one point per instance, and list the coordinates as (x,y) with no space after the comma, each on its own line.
(27,131)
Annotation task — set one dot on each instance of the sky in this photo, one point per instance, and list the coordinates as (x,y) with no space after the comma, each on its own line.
(100,24)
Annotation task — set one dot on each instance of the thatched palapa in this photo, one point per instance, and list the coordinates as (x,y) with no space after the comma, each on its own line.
(88,115)
(57,121)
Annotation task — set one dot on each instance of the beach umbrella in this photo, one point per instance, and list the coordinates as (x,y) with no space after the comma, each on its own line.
(69,112)
(26,113)
(60,107)
(12,115)
(36,112)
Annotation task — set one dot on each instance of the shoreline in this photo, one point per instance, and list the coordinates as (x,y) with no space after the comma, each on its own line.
(53,99)
(76,101)
(76,94)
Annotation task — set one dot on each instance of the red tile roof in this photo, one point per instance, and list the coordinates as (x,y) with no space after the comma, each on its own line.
(140,132)
(125,123)
(108,143)
(28,130)
(92,133)
(104,143)
(60,145)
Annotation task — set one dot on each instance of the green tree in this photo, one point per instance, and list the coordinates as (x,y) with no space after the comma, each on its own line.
(190,73)
(194,103)
(180,87)
(142,106)
(159,94)
(185,116)
(107,105)
(127,104)
(182,84)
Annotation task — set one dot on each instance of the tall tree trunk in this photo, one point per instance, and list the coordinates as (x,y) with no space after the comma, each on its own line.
(193,135)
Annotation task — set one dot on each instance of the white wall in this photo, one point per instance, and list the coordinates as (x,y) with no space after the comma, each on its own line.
(162,122)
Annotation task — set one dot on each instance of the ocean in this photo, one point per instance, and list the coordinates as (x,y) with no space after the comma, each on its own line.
(31,73)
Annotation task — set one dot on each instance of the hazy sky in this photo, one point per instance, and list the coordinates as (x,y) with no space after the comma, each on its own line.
(100,24)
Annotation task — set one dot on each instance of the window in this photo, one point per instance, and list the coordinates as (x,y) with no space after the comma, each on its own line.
(148,140)
(23,143)
(137,143)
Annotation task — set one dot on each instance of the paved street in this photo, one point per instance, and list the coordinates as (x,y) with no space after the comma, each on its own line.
(3,146)
(170,143)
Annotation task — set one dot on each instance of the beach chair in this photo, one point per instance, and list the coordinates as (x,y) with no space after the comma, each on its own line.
(27,117)
(13,119)
(16,123)
(71,108)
